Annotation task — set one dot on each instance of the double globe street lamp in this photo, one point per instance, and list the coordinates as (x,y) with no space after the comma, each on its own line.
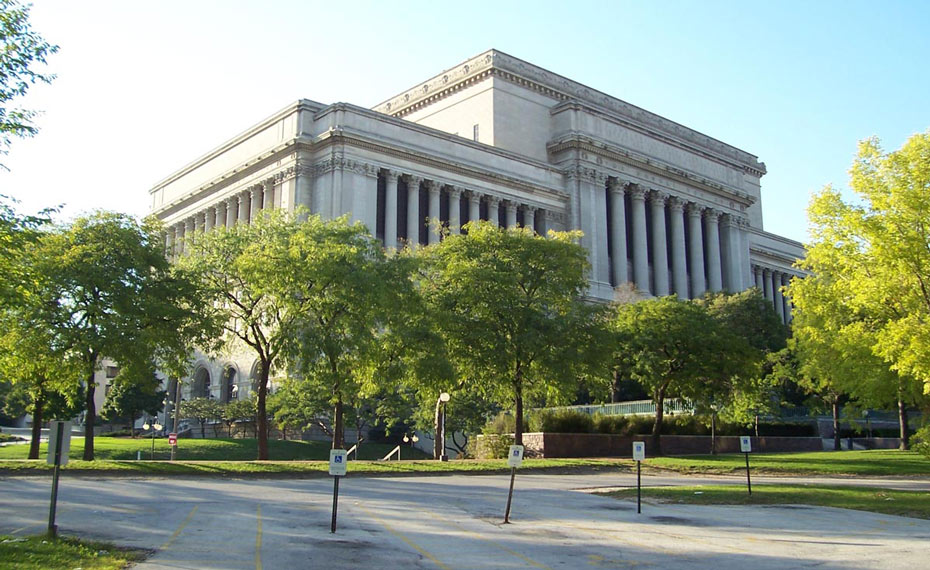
(155,426)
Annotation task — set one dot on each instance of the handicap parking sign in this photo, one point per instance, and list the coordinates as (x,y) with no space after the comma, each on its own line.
(337,462)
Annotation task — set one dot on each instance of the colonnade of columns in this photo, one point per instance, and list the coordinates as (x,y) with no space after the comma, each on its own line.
(240,208)
(680,247)
(770,282)
(412,204)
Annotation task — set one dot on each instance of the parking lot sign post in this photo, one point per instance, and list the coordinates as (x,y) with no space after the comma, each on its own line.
(639,455)
(745,445)
(59,443)
(337,468)
(514,459)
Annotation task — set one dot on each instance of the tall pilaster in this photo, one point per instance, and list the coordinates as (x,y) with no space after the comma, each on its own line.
(511,213)
(255,204)
(659,250)
(779,297)
(640,247)
(493,212)
(732,276)
(220,219)
(391,179)
(244,199)
(679,261)
(268,194)
(474,206)
(455,209)
(529,218)
(232,211)
(433,222)
(696,239)
(712,247)
(618,231)
(413,211)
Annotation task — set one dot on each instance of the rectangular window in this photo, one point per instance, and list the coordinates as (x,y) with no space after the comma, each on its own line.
(475,133)
(112,371)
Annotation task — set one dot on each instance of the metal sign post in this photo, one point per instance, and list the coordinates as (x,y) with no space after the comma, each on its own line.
(59,443)
(639,455)
(745,445)
(514,459)
(337,468)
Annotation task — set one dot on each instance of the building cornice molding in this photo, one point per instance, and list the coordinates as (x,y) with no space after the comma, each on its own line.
(498,64)
(581,143)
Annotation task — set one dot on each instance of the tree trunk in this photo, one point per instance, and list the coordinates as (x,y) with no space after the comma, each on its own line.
(518,407)
(261,416)
(659,401)
(132,425)
(713,434)
(90,416)
(38,403)
(836,425)
(203,429)
(338,426)
(902,423)
(437,421)
(615,387)
(757,426)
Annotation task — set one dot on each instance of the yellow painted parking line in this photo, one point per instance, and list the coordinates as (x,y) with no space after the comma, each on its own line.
(177,533)
(409,542)
(258,538)
(506,549)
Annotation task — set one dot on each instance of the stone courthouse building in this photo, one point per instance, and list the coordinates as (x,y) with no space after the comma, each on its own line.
(663,208)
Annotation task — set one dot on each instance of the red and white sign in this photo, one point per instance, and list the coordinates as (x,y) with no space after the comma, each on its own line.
(172,439)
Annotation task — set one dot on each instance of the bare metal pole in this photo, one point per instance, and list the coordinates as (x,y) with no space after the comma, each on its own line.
(513,475)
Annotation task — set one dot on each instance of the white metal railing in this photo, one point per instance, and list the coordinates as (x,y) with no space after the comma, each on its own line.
(352,449)
(391,454)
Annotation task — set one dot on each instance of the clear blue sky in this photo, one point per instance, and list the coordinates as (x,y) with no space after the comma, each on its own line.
(145,87)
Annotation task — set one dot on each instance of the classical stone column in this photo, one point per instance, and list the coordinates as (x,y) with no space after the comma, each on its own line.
(732,273)
(208,217)
(677,247)
(786,279)
(255,205)
(696,238)
(474,206)
(618,231)
(433,188)
(493,205)
(391,179)
(245,200)
(712,247)
(268,194)
(659,251)
(232,211)
(757,278)
(455,209)
(178,239)
(198,221)
(188,233)
(169,241)
(413,211)
(640,247)
(511,214)
(767,286)
(529,218)
(779,297)
(220,211)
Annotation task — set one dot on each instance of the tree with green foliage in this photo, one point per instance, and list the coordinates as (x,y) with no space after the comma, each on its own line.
(868,259)
(201,410)
(508,306)
(135,391)
(102,288)
(23,49)
(674,348)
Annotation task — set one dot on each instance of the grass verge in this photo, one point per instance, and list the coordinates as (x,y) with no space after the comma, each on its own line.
(876,462)
(915,504)
(42,553)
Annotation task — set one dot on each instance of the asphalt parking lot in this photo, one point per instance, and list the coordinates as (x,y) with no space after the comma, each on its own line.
(451,522)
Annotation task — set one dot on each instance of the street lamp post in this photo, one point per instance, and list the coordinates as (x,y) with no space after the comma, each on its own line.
(155,426)
(443,400)
(411,440)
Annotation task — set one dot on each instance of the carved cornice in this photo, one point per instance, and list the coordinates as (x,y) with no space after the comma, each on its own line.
(585,174)
(519,72)
(337,162)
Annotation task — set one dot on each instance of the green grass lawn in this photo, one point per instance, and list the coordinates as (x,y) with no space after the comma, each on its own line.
(41,553)
(124,448)
(878,462)
(914,504)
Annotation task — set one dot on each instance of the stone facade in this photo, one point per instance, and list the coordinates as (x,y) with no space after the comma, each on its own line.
(663,209)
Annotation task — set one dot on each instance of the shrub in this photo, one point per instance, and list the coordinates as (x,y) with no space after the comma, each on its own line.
(561,421)
(503,423)
(490,446)
(920,441)
(611,424)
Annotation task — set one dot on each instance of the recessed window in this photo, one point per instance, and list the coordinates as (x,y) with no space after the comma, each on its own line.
(475,133)
(112,371)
